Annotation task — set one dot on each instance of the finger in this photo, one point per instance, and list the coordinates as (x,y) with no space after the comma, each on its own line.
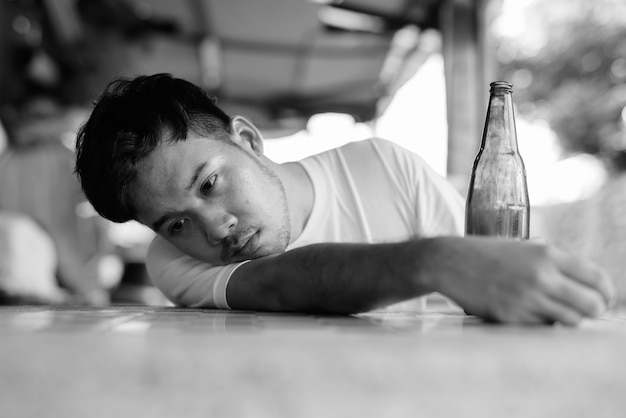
(586,300)
(586,273)
(552,311)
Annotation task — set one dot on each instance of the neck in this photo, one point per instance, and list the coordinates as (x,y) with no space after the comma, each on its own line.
(299,191)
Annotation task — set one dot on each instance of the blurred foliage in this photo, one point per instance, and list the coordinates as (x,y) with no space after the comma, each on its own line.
(567,62)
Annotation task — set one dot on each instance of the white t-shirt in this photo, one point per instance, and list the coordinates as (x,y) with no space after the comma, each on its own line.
(370,191)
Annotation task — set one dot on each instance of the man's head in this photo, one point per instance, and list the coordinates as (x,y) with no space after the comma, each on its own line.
(128,121)
(158,150)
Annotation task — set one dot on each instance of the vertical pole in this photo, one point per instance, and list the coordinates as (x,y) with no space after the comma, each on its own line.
(467,71)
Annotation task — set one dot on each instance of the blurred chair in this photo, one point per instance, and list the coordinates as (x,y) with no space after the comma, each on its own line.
(37,181)
(28,262)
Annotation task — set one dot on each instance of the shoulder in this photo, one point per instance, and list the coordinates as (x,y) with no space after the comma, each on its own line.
(372,145)
(360,152)
(393,158)
(383,150)
(373,159)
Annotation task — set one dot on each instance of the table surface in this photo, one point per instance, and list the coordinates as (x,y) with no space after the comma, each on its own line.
(135,361)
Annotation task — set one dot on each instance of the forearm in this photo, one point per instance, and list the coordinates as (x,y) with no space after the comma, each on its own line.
(334,278)
(496,279)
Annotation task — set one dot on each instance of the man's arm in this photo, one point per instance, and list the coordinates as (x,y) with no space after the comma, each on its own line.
(492,278)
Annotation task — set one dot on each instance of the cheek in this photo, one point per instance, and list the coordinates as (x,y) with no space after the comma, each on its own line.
(246,199)
(253,191)
(248,192)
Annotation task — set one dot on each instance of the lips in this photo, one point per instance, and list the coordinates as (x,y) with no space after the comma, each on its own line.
(251,244)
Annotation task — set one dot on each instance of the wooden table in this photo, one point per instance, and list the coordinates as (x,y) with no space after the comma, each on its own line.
(126,361)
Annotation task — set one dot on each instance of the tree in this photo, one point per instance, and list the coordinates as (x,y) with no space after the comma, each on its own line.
(569,68)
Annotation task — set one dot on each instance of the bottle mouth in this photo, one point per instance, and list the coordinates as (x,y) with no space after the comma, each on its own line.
(501,87)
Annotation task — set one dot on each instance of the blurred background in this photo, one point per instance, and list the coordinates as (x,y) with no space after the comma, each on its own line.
(313,75)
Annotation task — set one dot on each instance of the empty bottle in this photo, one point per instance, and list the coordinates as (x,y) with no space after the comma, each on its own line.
(497,199)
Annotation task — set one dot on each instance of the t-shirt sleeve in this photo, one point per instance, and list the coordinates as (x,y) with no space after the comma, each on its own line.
(186,281)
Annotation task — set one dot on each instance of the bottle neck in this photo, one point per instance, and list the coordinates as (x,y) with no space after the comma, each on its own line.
(499,134)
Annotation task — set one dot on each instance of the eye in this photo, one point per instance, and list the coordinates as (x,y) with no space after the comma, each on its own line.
(208,185)
(177,226)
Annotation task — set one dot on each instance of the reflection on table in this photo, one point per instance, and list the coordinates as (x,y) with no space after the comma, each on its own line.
(165,362)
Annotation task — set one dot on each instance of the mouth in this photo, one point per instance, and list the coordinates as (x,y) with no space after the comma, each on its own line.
(249,247)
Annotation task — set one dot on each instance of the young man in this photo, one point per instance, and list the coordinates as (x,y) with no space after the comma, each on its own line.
(349,230)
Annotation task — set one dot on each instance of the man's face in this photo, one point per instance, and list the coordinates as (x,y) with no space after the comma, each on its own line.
(213,199)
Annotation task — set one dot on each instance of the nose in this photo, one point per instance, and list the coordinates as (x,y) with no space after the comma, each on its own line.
(219,226)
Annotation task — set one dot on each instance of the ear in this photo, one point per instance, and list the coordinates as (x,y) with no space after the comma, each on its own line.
(246,135)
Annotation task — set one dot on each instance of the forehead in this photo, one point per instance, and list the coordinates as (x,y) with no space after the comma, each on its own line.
(171,160)
(172,156)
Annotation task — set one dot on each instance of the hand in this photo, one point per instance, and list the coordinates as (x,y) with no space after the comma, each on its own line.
(522,282)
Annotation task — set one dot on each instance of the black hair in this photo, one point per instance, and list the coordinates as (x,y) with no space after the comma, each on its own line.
(128,121)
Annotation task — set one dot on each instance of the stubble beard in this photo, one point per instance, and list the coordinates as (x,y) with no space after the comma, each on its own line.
(283,237)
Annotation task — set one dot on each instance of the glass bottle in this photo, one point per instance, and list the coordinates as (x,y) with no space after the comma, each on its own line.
(497,200)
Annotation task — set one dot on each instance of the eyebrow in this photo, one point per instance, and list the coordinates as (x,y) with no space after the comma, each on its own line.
(196,174)
(156,225)
(159,222)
